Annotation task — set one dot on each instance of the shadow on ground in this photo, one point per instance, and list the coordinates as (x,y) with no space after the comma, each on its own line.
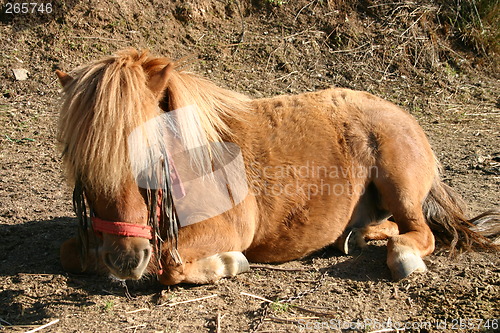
(33,247)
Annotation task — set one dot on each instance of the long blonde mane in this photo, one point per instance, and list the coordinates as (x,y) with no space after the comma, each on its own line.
(109,98)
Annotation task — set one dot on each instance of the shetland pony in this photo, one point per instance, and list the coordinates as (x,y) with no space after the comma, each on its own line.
(330,167)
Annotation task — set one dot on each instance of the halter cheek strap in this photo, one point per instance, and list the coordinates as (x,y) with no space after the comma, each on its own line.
(122,228)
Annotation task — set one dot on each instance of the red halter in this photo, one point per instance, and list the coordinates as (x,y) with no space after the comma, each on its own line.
(122,228)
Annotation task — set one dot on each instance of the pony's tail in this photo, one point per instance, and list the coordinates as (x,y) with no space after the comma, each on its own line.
(444,211)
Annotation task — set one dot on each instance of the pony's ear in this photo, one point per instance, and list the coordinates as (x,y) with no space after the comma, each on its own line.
(63,78)
(158,81)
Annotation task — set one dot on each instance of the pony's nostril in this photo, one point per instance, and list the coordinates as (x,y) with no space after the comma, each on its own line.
(120,263)
(147,253)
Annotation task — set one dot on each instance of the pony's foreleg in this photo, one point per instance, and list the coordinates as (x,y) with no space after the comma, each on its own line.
(69,256)
(206,270)
(71,262)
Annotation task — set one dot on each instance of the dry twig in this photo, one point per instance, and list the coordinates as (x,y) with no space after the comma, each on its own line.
(292,305)
(257,297)
(99,38)
(188,301)
(5,321)
(274,268)
(135,327)
(282,320)
(138,310)
(218,321)
(43,326)
(300,11)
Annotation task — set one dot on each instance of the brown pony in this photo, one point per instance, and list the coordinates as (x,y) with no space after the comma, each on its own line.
(329,167)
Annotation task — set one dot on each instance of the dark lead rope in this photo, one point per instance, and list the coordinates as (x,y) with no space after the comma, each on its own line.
(169,212)
(83,222)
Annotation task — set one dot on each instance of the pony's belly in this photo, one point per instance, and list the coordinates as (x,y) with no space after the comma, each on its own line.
(283,251)
(300,240)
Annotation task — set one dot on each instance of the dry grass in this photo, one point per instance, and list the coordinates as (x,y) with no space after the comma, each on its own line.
(476,23)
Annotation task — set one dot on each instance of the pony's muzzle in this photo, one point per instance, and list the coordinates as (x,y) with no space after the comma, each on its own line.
(127,259)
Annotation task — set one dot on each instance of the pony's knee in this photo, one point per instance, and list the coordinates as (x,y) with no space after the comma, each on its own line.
(172,274)
(72,263)
(70,256)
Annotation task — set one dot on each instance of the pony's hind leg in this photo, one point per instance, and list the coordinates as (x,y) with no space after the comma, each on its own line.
(206,270)
(368,222)
(384,230)
(406,171)
(405,253)
(415,239)
(355,238)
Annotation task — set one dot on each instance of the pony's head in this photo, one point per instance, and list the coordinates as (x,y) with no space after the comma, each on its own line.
(107,101)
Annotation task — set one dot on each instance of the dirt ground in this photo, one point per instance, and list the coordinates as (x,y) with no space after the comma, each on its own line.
(402,51)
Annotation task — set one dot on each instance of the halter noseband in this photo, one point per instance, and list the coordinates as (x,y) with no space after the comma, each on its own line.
(126,228)
(121,228)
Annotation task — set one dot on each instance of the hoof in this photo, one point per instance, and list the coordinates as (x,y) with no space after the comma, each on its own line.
(234,263)
(405,264)
(350,241)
